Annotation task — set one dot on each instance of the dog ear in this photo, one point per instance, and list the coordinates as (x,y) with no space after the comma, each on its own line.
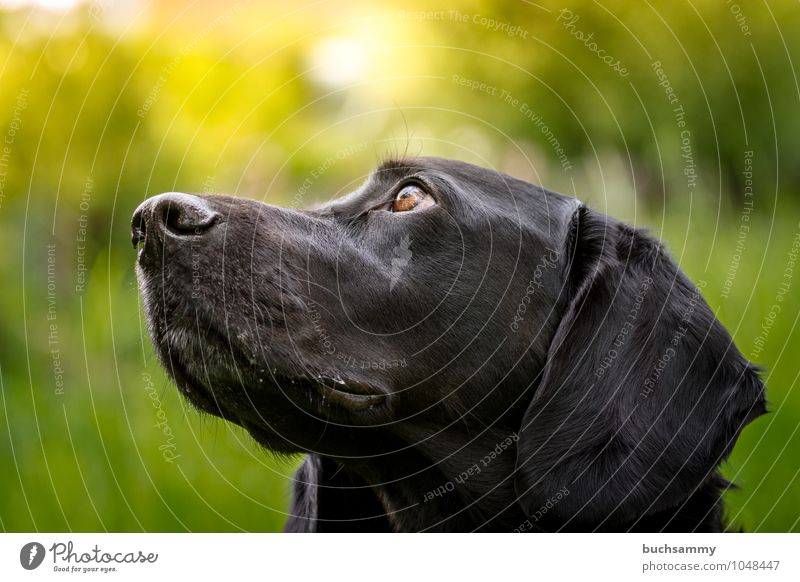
(329,498)
(643,393)
(305,501)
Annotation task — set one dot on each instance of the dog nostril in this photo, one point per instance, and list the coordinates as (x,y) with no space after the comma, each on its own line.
(184,214)
(176,213)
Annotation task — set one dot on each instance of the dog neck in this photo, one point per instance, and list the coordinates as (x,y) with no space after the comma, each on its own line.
(425,490)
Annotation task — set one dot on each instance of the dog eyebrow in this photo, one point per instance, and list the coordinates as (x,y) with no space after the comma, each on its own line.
(396,168)
(355,203)
(371,193)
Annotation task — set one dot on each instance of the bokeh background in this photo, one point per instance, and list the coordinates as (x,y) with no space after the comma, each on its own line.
(680,116)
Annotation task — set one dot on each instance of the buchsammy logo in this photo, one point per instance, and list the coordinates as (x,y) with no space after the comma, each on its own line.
(31,555)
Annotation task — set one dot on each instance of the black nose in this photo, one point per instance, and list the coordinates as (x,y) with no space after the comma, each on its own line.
(174,213)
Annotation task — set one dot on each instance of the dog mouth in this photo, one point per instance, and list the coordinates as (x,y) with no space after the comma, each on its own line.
(354,396)
(214,377)
(242,376)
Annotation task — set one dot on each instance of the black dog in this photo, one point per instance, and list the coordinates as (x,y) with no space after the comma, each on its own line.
(455,350)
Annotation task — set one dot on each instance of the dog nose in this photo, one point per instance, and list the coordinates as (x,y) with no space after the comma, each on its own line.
(175,213)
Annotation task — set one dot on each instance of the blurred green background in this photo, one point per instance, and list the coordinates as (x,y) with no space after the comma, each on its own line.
(679,116)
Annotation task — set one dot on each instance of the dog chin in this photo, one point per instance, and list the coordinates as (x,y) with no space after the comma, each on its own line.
(203,367)
(194,391)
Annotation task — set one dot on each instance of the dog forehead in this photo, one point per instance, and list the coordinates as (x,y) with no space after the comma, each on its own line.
(374,188)
(479,192)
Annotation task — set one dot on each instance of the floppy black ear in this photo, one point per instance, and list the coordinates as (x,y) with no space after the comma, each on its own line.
(329,498)
(643,393)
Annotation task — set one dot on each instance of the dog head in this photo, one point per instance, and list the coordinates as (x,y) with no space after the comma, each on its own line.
(438,309)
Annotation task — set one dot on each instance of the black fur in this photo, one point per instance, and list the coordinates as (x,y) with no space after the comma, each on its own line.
(506,359)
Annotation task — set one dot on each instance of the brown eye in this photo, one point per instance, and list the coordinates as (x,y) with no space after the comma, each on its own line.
(409,198)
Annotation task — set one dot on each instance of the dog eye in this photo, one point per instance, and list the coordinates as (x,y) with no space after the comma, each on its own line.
(411,197)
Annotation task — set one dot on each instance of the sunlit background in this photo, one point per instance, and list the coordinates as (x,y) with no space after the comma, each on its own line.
(679,116)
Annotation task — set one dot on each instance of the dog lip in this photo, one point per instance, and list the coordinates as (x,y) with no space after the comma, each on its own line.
(352,395)
(137,234)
